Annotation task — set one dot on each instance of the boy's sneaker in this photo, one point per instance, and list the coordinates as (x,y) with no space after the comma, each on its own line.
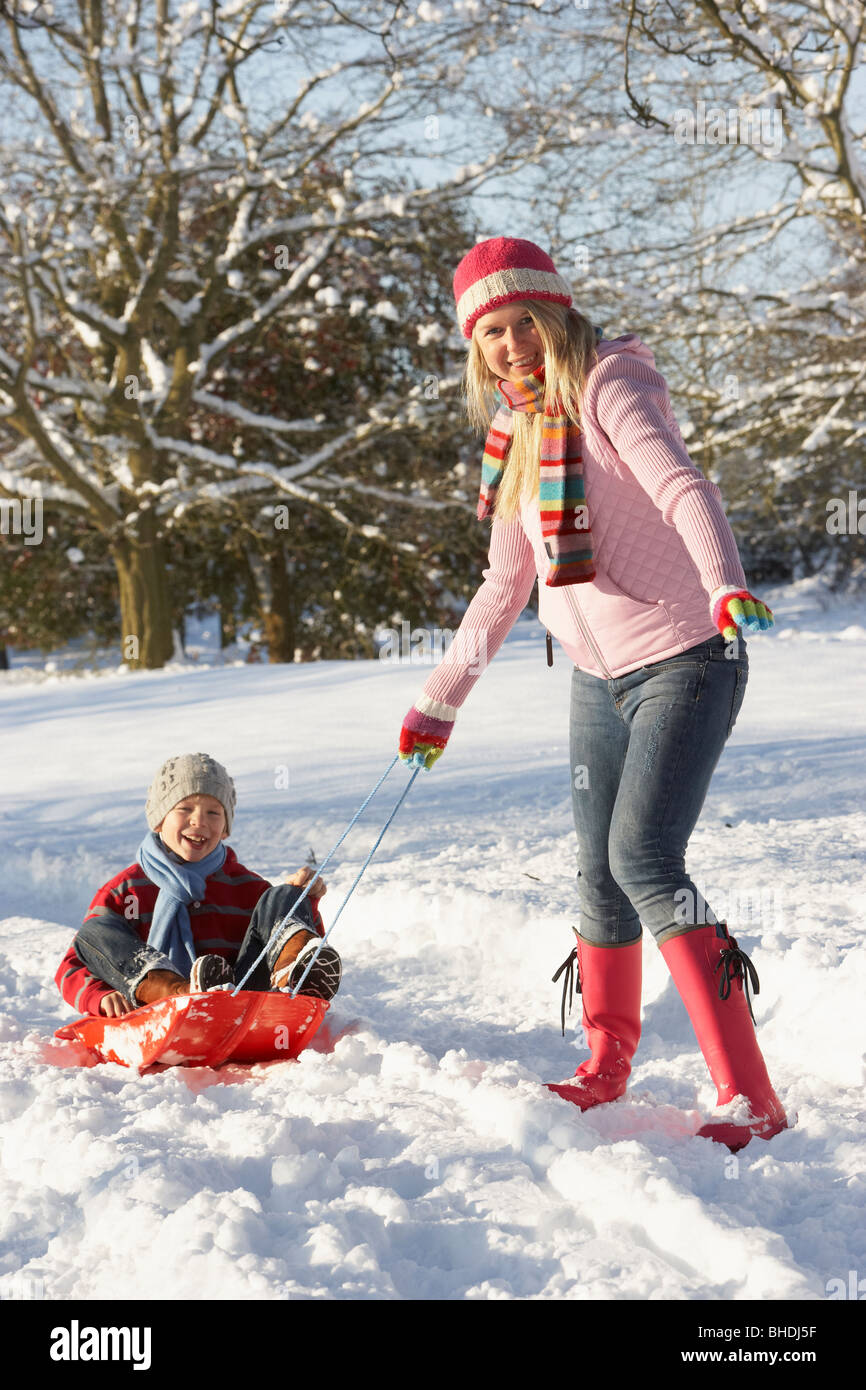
(323,980)
(209,972)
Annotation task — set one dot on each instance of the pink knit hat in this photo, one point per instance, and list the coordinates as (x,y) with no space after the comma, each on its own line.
(501,270)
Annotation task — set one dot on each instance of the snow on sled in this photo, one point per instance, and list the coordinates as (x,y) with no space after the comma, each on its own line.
(203,1030)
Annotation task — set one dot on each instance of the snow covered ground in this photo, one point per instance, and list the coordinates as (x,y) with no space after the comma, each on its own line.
(415,1154)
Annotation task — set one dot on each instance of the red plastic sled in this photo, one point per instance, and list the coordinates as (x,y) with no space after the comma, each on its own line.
(203,1030)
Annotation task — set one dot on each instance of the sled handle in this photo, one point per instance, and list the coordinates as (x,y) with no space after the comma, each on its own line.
(295,905)
(314,957)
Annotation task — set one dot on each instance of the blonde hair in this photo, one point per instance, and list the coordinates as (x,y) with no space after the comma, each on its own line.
(568,340)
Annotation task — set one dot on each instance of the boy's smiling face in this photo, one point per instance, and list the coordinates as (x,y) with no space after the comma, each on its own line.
(194,827)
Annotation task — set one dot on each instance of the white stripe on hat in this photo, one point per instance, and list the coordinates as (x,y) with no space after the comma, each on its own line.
(509,283)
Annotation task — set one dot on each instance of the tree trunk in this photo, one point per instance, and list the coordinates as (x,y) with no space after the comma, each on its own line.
(226,620)
(280,621)
(270,575)
(145,612)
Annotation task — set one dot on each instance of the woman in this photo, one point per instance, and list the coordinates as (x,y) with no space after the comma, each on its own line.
(641,582)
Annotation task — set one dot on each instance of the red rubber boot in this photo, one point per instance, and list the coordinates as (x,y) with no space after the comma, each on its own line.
(609,982)
(710,972)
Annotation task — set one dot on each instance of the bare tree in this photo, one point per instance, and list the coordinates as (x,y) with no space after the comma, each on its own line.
(180,180)
(756,308)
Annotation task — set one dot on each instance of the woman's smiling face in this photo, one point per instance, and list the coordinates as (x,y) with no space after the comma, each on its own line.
(509,341)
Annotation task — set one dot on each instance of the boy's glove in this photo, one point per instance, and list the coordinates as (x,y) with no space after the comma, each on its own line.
(425,733)
(738,609)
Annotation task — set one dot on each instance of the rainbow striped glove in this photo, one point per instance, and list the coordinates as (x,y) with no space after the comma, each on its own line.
(425,732)
(737,609)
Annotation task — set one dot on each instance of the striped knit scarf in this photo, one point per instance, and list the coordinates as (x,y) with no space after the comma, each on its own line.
(561,497)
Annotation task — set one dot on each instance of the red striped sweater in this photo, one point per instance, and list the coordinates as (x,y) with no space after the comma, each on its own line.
(219,922)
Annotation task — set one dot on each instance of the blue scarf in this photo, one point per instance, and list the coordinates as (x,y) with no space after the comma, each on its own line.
(179,884)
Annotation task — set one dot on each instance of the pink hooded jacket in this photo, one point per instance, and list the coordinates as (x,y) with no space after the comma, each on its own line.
(662,544)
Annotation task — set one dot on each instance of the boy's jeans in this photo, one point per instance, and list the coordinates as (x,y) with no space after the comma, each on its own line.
(643,750)
(114,952)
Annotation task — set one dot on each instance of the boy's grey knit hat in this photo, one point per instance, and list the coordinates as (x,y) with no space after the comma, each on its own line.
(186,775)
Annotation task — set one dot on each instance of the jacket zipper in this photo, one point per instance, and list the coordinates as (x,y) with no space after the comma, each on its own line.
(590,640)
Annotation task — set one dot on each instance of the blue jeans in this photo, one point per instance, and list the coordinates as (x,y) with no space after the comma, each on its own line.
(643,750)
(113,951)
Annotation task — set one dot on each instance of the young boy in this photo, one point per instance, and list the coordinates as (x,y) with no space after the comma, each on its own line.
(186,916)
